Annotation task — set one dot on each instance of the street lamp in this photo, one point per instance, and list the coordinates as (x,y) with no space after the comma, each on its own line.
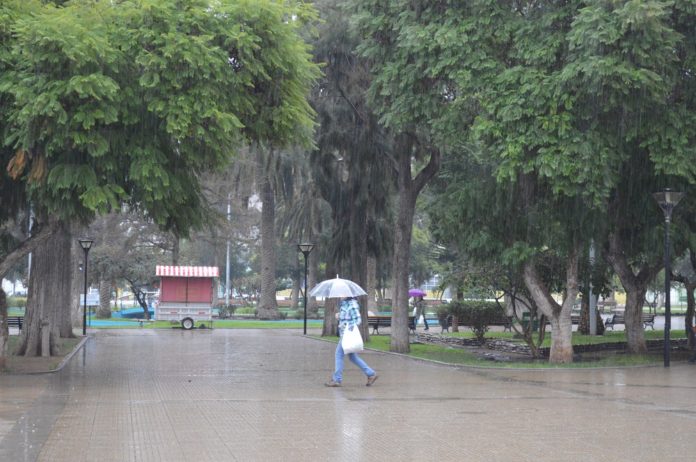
(668,200)
(305,248)
(86,244)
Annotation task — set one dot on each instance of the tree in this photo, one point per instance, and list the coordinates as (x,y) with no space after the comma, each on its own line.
(350,168)
(267,307)
(143,97)
(562,98)
(633,103)
(410,91)
(518,227)
(127,249)
(48,316)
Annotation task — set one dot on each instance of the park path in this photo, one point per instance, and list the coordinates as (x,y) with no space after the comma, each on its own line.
(243,395)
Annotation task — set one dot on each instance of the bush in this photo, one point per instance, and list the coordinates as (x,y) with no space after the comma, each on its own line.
(477,314)
(443,312)
(246,310)
(227,311)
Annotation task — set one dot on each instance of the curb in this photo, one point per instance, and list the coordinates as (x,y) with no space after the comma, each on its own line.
(68,357)
(65,360)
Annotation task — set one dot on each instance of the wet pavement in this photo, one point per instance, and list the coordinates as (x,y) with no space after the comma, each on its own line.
(240,395)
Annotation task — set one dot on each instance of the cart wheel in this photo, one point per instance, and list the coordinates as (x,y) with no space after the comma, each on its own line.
(187,323)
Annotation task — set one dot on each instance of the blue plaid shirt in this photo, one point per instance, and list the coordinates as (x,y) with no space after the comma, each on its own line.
(349,315)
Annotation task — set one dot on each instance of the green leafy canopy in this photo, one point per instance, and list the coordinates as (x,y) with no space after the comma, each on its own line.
(135,100)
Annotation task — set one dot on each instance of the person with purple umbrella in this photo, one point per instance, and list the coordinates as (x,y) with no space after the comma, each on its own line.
(419,306)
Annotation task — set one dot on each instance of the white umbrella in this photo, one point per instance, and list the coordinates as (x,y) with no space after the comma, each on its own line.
(337,288)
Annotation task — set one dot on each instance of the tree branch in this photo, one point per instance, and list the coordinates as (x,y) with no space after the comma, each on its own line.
(42,233)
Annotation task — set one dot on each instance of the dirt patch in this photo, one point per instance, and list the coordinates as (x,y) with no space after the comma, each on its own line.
(37,365)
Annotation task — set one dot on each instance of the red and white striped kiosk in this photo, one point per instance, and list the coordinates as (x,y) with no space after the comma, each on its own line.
(186,294)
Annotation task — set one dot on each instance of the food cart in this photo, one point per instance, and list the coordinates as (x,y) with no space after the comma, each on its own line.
(186,294)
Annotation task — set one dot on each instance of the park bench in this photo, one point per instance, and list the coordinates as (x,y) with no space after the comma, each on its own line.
(648,319)
(15,321)
(446,323)
(375,322)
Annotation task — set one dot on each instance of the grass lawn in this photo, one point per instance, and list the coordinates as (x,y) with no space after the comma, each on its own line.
(467,357)
(578,339)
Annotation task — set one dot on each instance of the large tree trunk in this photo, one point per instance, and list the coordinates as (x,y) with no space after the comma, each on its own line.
(312,306)
(689,318)
(76,283)
(298,284)
(330,305)
(63,300)
(402,252)
(635,285)
(689,282)
(4,329)
(49,288)
(42,233)
(371,285)
(635,332)
(408,190)
(358,253)
(559,315)
(267,307)
(584,326)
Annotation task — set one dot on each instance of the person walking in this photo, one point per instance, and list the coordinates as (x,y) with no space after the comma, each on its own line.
(349,318)
(419,310)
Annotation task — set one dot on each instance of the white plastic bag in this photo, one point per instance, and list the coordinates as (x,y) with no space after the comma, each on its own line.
(352,341)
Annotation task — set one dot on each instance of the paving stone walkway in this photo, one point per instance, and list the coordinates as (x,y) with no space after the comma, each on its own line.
(246,395)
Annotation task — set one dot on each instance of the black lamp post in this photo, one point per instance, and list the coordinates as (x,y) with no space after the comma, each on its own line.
(86,244)
(305,249)
(668,200)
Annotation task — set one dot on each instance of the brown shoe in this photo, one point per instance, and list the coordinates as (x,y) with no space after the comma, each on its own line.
(331,383)
(370,380)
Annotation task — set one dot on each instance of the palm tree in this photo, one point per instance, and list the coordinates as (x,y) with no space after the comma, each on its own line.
(350,166)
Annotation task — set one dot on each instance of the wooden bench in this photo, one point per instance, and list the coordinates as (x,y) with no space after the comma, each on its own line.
(447,323)
(15,321)
(647,319)
(375,322)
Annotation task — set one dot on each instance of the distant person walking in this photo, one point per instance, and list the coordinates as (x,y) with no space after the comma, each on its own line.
(419,310)
(349,318)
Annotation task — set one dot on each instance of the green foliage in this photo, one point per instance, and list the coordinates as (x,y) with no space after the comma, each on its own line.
(416,48)
(578,112)
(424,253)
(443,311)
(477,314)
(246,310)
(358,186)
(140,98)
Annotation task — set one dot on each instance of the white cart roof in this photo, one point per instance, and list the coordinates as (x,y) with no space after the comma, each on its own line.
(187,271)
